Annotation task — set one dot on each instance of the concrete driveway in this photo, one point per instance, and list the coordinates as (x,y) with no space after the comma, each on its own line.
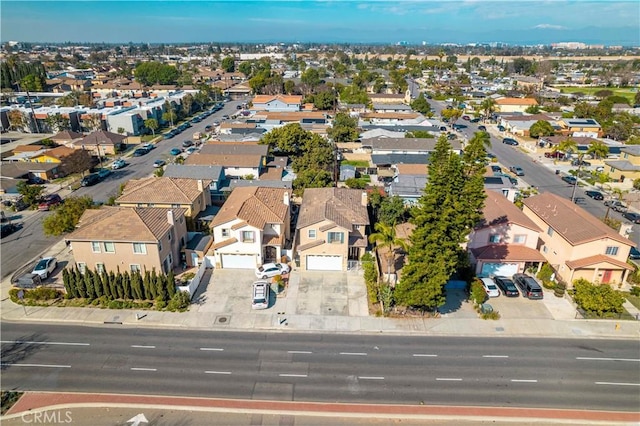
(520,307)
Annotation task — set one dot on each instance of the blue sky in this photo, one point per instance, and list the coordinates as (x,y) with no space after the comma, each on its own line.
(513,21)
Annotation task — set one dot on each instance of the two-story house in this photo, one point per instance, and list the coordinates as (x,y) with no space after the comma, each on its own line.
(577,244)
(277,103)
(627,167)
(252,227)
(505,242)
(68,160)
(332,228)
(239,160)
(101,143)
(514,104)
(129,239)
(587,127)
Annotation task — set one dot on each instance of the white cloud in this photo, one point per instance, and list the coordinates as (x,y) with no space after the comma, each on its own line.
(550,27)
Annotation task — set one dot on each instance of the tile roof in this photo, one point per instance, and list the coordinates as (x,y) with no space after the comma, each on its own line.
(271,173)
(594,260)
(28,148)
(343,206)
(225,243)
(162,190)
(312,244)
(291,116)
(66,135)
(103,138)
(572,222)
(287,99)
(516,101)
(59,152)
(124,224)
(499,210)
(257,206)
(508,252)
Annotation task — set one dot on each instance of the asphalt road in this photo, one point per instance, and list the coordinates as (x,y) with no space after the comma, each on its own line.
(24,245)
(552,373)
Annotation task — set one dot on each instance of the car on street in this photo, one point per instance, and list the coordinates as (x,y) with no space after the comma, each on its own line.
(191,150)
(225,117)
(50,200)
(175,151)
(634,253)
(529,287)
(633,217)
(260,295)
(208,128)
(103,173)
(466,117)
(90,180)
(158,163)
(45,267)
(507,286)
(140,152)
(168,135)
(596,195)
(490,287)
(482,128)
(510,141)
(269,270)
(118,164)
(616,205)
(516,170)
(187,143)
(475,120)
(496,169)
(580,163)
(571,180)
(7,229)
(148,146)
(501,128)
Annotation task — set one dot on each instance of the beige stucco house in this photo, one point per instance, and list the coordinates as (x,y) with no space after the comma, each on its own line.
(627,167)
(129,239)
(505,242)
(331,228)
(577,244)
(252,227)
(514,104)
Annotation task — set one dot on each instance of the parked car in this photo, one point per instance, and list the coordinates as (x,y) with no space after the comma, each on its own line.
(596,195)
(482,128)
(507,286)
(191,150)
(580,163)
(490,287)
(496,169)
(516,170)
(554,154)
(269,270)
(7,229)
(475,120)
(175,151)
(45,266)
(90,180)
(36,180)
(571,180)
(599,169)
(158,163)
(225,117)
(208,128)
(168,135)
(466,117)
(260,296)
(187,144)
(634,254)
(510,141)
(633,217)
(501,128)
(118,164)
(140,152)
(103,173)
(616,205)
(528,286)
(148,146)
(50,200)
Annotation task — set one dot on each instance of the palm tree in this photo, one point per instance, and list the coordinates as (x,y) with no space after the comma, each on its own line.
(598,149)
(568,146)
(488,106)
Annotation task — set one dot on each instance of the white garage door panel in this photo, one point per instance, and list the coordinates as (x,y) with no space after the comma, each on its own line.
(238,261)
(324,263)
(501,269)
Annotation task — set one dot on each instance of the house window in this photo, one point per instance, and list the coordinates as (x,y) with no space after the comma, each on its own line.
(225,232)
(611,251)
(95,247)
(135,268)
(159,245)
(170,235)
(356,227)
(248,237)
(495,238)
(519,239)
(312,234)
(82,267)
(109,247)
(139,248)
(335,237)
(550,231)
(175,206)
(545,249)
(99,268)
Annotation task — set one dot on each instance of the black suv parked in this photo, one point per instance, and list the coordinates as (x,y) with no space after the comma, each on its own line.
(507,286)
(528,286)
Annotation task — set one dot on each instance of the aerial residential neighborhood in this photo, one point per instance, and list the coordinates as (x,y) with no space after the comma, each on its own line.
(308,220)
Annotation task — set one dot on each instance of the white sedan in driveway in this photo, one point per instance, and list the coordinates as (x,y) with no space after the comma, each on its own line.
(269,270)
(490,287)
(45,266)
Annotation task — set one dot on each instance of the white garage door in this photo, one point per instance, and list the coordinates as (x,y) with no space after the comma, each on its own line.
(238,261)
(502,269)
(324,263)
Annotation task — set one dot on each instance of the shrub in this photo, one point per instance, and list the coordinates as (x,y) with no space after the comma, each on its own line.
(635,291)
(179,302)
(370,277)
(37,294)
(560,288)
(478,295)
(187,277)
(601,299)
(545,274)
(493,315)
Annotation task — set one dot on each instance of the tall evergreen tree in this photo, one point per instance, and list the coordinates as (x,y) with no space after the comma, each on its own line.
(161,287)
(136,286)
(126,286)
(171,284)
(88,284)
(66,281)
(152,285)
(79,283)
(106,287)
(146,285)
(96,282)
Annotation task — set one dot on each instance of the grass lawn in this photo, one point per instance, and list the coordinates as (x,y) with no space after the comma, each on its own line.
(356,163)
(628,93)
(634,300)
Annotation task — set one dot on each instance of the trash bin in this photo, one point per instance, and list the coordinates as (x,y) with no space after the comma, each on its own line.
(486,308)
(557,172)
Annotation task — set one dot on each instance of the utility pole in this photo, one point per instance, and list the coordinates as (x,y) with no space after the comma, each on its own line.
(575,184)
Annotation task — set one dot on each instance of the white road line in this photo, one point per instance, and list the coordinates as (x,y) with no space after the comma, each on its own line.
(43,343)
(36,365)
(524,380)
(354,353)
(370,378)
(292,375)
(212,349)
(495,356)
(143,346)
(299,352)
(143,369)
(426,355)
(607,359)
(617,384)
(448,379)
(218,372)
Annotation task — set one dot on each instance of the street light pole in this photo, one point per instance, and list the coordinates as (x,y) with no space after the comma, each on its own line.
(575,184)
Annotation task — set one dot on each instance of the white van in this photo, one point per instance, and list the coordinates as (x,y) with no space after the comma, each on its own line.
(260,299)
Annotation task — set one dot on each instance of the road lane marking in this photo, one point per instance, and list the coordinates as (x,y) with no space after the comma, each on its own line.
(370,377)
(426,355)
(292,375)
(524,380)
(354,353)
(21,342)
(143,369)
(584,358)
(617,384)
(448,379)
(143,346)
(299,352)
(495,356)
(36,365)
(218,372)
(212,349)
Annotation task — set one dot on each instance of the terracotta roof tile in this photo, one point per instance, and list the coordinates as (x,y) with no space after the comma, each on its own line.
(225,243)
(257,206)
(508,252)
(499,210)
(593,260)
(162,190)
(516,101)
(343,206)
(312,244)
(287,99)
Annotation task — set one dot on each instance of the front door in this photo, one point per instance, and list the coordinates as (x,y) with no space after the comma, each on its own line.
(606,276)
(354,253)
(270,254)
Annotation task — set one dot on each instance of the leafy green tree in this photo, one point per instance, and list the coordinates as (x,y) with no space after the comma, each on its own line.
(31,194)
(312,179)
(245,68)
(324,100)
(65,218)
(598,298)
(150,73)
(533,109)
(228,64)
(392,210)
(355,183)
(488,106)
(344,128)
(290,86)
(541,128)
(636,98)
(310,79)
(354,95)
(151,124)
(421,104)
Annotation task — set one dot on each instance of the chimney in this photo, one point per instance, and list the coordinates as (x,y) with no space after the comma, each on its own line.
(170,217)
(285,198)
(364,200)
(200,185)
